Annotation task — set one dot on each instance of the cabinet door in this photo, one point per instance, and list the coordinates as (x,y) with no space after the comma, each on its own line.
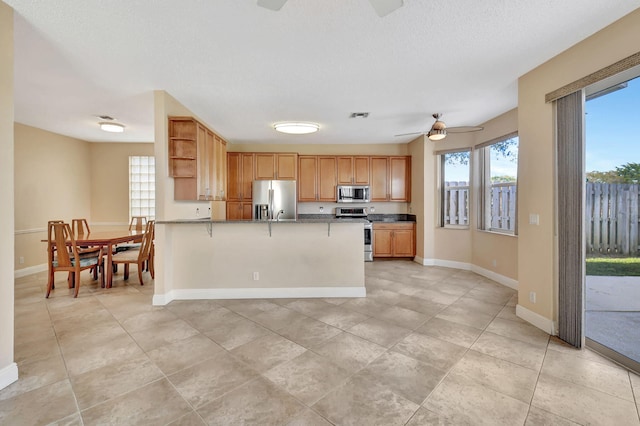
(307,177)
(361,170)
(206,164)
(379,180)
(239,210)
(234,177)
(399,179)
(382,243)
(220,156)
(265,166)
(286,166)
(345,170)
(247,176)
(327,179)
(403,243)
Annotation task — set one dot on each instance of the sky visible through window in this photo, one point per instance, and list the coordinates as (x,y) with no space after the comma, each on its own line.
(613,129)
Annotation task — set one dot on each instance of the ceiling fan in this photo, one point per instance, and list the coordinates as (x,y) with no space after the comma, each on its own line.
(382,7)
(439,130)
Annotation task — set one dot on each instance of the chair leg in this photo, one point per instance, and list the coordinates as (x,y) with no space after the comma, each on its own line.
(126,271)
(152,269)
(95,272)
(140,270)
(50,285)
(77,283)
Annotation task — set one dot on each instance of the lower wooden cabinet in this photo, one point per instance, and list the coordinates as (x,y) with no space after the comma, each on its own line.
(394,239)
(239,210)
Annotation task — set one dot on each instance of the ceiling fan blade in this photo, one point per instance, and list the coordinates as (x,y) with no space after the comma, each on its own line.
(464,129)
(272,4)
(385,7)
(414,133)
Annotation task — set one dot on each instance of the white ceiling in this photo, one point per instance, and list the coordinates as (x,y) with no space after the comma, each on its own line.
(241,67)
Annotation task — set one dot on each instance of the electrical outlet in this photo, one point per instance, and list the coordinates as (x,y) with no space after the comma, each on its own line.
(21,260)
(321,208)
(532,296)
(256,276)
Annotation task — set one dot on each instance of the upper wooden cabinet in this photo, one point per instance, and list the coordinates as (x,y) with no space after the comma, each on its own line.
(353,170)
(240,167)
(316,178)
(276,166)
(199,174)
(390,178)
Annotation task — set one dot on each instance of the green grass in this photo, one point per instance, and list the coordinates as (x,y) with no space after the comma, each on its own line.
(613,266)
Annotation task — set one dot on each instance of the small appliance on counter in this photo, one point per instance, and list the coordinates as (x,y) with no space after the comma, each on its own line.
(274,200)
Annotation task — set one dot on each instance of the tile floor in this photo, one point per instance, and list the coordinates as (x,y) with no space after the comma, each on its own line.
(428,346)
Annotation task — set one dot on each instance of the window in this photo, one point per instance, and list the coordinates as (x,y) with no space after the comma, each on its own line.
(498,165)
(142,187)
(454,184)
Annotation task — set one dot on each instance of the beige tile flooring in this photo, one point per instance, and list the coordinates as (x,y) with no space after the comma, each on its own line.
(428,346)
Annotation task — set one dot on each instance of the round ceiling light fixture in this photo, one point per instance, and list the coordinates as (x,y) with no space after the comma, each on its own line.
(111,127)
(296,127)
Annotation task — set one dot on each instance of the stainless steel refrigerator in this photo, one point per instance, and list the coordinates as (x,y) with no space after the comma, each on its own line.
(274,200)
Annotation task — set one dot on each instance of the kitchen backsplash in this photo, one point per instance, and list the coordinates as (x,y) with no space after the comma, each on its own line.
(330,208)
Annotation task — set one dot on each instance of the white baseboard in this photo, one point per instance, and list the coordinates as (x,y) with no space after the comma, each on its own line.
(543,323)
(444,263)
(30,270)
(506,281)
(8,375)
(258,293)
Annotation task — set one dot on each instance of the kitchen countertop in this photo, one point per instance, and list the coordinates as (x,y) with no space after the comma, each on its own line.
(301,220)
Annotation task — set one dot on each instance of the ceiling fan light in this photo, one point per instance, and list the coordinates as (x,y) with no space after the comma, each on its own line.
(112,127)
(296,127)
(437,134)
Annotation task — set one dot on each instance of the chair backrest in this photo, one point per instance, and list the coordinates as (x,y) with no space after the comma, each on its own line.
(51,248)
(80,227)
(137,223)
(147,240)
(59,234)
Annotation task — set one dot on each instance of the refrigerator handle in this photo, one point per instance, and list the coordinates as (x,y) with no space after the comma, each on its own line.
(271,204)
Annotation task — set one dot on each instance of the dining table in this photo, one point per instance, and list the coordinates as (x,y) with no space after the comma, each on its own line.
(109,240)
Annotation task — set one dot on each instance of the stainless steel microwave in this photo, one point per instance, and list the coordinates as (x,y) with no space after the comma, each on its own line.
(353,193)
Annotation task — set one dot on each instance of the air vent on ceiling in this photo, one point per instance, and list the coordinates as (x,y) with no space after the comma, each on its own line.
(359,115)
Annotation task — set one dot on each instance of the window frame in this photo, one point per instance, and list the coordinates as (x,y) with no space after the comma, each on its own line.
(441,161)
(483,161)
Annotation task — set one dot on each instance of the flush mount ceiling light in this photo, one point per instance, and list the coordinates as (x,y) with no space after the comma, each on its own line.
(296,127)
(111,127)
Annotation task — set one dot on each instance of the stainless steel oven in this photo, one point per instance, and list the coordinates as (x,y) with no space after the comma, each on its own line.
(359,213)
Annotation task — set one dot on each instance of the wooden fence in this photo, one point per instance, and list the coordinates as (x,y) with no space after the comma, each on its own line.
(612,219)
(502,209)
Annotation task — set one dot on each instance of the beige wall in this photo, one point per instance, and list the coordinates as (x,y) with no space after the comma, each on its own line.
(317,149)
(58,177)
(110,180)
(52,181)
(537,243)
(8,368)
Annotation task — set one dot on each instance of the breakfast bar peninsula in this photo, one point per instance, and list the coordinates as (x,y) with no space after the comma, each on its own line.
(219,259)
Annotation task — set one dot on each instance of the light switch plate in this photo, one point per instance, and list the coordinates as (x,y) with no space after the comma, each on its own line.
(534,219)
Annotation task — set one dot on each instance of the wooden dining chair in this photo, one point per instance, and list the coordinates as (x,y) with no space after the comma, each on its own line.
(137,223)
(139,257)
(60,235)
(80,227)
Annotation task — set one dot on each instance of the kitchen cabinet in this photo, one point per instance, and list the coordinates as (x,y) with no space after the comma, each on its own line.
(240,167)
(316,178)
(390,178)
(394,239)
(239,210)
(353,170)
(276,166)
(192,160)
(220,168)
